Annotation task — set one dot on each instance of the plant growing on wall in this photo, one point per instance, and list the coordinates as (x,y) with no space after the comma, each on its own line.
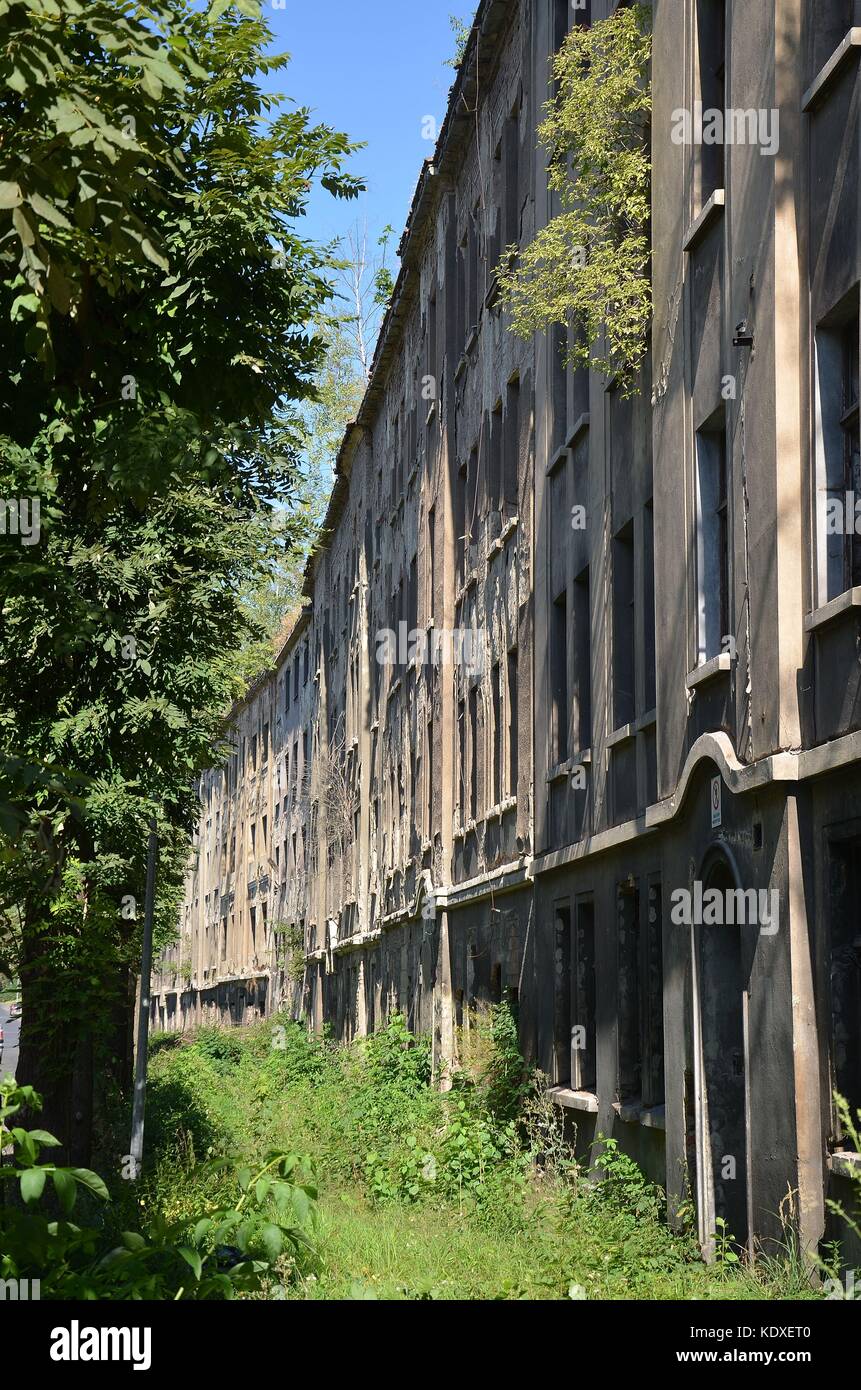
(290,949)
(588,268)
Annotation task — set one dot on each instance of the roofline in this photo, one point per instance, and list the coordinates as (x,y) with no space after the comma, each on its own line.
(490,22)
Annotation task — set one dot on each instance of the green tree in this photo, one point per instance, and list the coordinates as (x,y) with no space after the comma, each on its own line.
(588,268)
(158,305)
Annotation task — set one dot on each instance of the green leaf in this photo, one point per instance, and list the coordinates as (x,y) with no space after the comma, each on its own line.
(192,1259)
(44,1138)
(87,1178)
(65,1188)
(32,1184)
(22,226)
(301,1205)
(44,208)
(151,84)
(272,1240)
(153,255)
(24,304)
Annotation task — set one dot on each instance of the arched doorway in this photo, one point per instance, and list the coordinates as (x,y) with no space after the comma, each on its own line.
(720,1028)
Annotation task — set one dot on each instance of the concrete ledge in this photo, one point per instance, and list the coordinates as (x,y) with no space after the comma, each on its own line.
(557,459)
(707,670)
(835,607)
(507,879)
(573,1100)
(845,1163)
(710,213)
(826,75)
(635,1113)
(830,757)
(623,734)
(580,424)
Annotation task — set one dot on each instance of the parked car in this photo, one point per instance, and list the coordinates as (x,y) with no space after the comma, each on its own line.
(15,1009)
(1,1041)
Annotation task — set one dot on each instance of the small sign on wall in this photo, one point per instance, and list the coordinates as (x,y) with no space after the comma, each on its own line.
(716,808)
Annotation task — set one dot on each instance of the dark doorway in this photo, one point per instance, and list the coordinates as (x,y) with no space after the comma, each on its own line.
(722,1015)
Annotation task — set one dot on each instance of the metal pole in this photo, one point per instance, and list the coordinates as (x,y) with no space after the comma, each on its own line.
(139,1098)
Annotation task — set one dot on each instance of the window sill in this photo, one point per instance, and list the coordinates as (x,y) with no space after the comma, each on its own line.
(499,544)
(845,1164)
(559,772)
(471,340)
(573,1100)
(492,292)
(634,1112)
(468,828)
(557,459)
(501,808)
(711,212)
(461,367)
(820,617)
(624,734)
(826,75)
(470,583)
(580,424)
(708,670)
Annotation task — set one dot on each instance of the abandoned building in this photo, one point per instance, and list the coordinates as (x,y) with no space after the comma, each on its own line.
(498,750)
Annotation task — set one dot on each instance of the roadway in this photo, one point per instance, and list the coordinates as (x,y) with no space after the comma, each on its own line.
(11,1029)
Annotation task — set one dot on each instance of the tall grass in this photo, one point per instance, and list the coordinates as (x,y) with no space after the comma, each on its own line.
(471,1194)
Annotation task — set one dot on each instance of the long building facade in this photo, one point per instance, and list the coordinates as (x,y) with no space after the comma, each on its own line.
(572,714)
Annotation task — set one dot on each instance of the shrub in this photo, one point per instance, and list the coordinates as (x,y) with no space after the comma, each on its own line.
(256,1240)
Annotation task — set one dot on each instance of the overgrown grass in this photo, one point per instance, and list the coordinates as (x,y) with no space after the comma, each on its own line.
(472,1194)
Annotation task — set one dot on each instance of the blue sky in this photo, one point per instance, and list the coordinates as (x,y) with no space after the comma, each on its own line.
(374,69)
